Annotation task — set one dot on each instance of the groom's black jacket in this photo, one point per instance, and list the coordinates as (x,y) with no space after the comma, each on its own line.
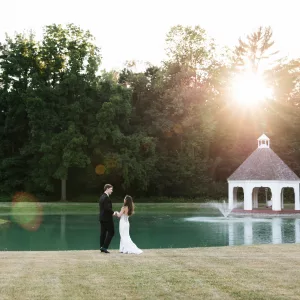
(105,207)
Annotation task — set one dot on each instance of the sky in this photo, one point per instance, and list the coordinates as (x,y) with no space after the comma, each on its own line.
(136,29)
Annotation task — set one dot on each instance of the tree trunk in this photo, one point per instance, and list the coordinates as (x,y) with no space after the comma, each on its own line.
(63,190)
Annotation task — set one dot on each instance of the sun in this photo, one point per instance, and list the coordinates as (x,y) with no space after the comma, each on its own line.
(250,89)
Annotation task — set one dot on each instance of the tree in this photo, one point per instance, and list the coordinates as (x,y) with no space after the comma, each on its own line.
(59,106)
(131,151)
(176,102)
(18,64)
(256,49)
(285,81)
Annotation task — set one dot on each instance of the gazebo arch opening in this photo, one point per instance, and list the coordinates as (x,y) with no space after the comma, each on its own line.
(262,197)
(266,195)
(287,196)
(238,195)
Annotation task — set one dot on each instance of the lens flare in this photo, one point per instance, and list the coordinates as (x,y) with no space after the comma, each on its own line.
(27,211)
(178,129)
(250,89)
(100,169)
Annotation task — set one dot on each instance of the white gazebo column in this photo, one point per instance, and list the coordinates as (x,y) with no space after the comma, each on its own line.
(247,197)
(282,197)
(297,200)
(276,231)
(230,195)
(276,197)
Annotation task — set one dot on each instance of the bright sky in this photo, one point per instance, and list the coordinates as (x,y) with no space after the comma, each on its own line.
(136,29)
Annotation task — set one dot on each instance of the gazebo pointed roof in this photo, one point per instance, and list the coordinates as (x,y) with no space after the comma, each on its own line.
(264,164)
(263,137)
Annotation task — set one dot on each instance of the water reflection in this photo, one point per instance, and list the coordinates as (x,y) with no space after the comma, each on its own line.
(297,230)
(81,232)
(249,231)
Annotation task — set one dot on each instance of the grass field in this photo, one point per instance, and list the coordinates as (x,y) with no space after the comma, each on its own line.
(269,272)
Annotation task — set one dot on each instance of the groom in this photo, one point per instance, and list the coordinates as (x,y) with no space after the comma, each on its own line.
(106,219)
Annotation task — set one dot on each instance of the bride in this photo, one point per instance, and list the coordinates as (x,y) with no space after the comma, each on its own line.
(126,244)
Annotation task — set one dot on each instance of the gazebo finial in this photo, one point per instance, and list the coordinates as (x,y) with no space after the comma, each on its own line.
(263,141)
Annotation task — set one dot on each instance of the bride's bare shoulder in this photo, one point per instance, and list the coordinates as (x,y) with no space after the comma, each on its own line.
(124,208)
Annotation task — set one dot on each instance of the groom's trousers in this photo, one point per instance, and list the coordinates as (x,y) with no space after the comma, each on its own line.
(107,232)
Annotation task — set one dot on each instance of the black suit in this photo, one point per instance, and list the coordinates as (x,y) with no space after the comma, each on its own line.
(106,221)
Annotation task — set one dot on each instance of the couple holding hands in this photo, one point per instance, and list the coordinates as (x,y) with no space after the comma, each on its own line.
(107,229)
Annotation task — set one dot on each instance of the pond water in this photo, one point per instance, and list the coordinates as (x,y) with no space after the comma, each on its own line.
(81,232)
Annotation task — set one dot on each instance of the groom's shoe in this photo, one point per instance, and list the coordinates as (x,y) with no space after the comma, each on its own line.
(104,250)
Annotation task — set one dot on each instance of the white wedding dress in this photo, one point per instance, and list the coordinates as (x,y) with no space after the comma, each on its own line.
(126,244)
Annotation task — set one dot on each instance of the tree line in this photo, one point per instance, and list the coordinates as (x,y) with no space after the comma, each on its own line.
(67,127)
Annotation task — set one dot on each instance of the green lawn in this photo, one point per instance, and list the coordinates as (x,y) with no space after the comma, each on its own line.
(261,272)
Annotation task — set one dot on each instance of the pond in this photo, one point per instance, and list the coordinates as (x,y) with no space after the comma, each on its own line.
(148,231)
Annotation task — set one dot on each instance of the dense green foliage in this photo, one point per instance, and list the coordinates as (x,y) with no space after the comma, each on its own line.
(172,130)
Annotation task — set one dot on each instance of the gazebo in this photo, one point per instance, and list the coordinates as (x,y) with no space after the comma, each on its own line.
(263,168)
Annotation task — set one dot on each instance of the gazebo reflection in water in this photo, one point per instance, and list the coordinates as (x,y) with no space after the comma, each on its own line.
(272,231)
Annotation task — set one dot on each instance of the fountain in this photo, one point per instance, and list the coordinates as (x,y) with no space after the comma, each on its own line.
(223,207)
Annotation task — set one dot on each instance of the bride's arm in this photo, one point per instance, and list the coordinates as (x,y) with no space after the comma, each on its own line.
(121,212)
